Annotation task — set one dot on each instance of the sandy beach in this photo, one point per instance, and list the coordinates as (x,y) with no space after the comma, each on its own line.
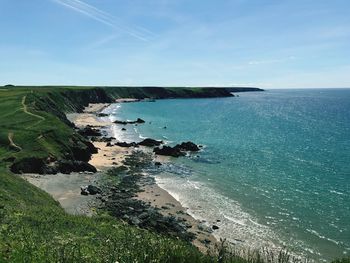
(151,193)
(66,188)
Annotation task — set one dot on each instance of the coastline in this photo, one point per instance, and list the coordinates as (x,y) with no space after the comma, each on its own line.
(150,192)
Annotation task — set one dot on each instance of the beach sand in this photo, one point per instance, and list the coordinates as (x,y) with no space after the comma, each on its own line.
(169,206)
(66,188)
(151,193)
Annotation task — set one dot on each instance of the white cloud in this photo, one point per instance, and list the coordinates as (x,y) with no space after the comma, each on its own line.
(105,18)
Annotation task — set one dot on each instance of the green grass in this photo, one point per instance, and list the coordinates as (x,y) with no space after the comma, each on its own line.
(33,226)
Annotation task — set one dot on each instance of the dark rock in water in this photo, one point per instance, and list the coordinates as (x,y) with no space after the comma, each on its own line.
(157,163)
(123,129)
(93,190)
(140,120)
(150,142)
(68,166)
(188,146)
(169,151)
(89,131)
(125,144)
(130,122)
(215,227)
(109,144)
(102,114)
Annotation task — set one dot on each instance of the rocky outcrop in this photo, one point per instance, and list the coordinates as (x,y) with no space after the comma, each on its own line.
(89,131)
(178,150)
(169,151)
(150,142)
(67,167)
(138,121)
(90,190)
(41,166)
(125,144)
(29,165)
(188,146)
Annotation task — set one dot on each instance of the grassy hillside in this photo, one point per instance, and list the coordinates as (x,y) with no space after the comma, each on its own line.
(33,227)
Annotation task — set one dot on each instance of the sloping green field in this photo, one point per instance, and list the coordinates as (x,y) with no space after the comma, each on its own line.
(33,227)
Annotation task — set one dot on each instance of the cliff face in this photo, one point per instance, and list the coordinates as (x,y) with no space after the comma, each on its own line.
(52,144)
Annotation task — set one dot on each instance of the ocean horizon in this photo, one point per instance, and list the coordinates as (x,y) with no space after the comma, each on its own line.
(274,169)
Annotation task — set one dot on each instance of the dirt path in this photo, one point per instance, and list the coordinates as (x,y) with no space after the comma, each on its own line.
(12,144)
(25,109)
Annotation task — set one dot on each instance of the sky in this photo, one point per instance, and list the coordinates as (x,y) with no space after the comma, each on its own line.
(260,43)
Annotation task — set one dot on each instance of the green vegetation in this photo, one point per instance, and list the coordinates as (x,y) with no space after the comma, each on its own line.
(33,226)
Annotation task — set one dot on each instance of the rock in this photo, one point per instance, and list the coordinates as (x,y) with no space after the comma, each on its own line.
(157,163)
(29,165)
(68,166)
(109,144)
(188,146)
(93,190)
(125,144)
(150,142)
(102,114)
(205,241)
(204,228)
(215,227)
(89,131)
(84,191)
(135,221)
(123,129)
(168,151)
(129,122)
(140,120)
(143,215)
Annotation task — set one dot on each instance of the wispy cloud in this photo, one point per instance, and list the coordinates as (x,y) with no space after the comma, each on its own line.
(271,61)
(105,18)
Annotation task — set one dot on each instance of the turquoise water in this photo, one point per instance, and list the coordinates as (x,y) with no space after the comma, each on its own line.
(275,169)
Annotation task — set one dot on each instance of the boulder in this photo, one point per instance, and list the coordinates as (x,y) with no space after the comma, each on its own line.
(102,114)
(89,131)
(150,142)
(84,191)
(168,151)
(140,121)
(215,227)
(188,146)
(93,190)
(29,165)
(68,166)
(125,144)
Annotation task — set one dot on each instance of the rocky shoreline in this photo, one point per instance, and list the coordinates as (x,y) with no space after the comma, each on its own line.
(130,194)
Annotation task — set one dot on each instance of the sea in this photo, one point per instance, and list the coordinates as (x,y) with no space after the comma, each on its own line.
(274,170)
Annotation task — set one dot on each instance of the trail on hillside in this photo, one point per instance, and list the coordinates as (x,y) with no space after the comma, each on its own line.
(12,144)
(25,109)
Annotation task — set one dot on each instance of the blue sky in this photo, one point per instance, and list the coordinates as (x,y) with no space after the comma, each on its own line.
(269,44)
